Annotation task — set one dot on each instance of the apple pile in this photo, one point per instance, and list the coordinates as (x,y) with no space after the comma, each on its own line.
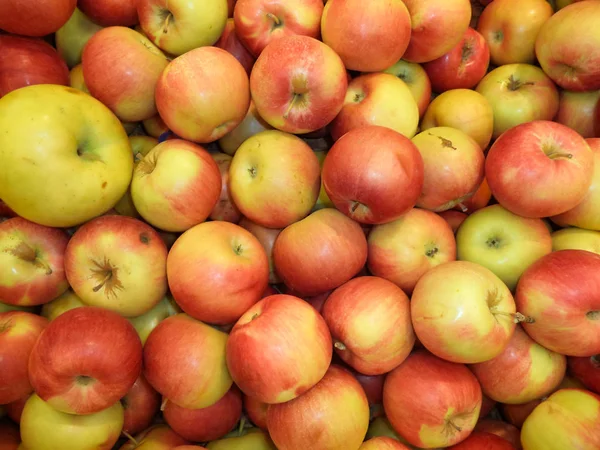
(299,224)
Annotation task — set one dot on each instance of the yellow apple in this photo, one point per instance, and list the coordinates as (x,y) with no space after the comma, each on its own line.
(67,301)
(154,126)
(249,439)
(76,79)
(323,201)
(73,35)
(576,239)
(251,125)
(145,323)
(417,81)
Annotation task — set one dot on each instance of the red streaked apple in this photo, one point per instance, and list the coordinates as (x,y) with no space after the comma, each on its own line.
(576,110)
(110,12)
(539,169)
(34,17)
(479,440)
(259,23)
(500,428)
(319,253)
(230,42)
(256,411)
(403,250)
(140,405)
(417,81)
(586,370)
(333,415)
(121,68)
(279,349)
(576,239)
(366,169)
(156,437)
(266,236)
(382,443)
(463,313)
(369,37)
(446,408)
(225,209)
(561,293)
(33,260)
(251,125)
(73,35)
(203,95)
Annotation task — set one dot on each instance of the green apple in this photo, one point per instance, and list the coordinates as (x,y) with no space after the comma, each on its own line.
(145,323)
(61,304)
(73,35)
(576,239)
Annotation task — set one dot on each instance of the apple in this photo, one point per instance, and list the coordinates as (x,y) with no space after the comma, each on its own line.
(377,99)
(266,236)
(121,68)
(251,124)
(479,200)
(479,440)
(333,415)
(19,331)
(73,35)
(566,52)
(570,418)
(587,370)
(465,110)
(381,427)
(34,17)
(519,93)
(28,61)
(10,438)
(539,169)
(156,437)
(335,252)
(437,26)
(366,169)
(586,214)
(140,405)
(258,23)
(85,360)
(225,208)
(383,443)
(503,242)
(148,321)
(276,338)
(454,218)
(256,411)
(210,112)
(248,439)
(500,428)
(14,410)
(110,12)
(369,37)
(576,239)
(567,319)
(447,407)
(417,81)
(44,427)
(76,79)
(298,84)
(205,424)
(463,313)
(403,250)
(516,414)
(155,127)
(63,303)
(463,66)
(453,167)
(32,256)
(179,26)
(576,110)
(230,42)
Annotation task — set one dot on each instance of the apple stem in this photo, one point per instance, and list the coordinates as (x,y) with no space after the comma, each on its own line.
(130,437)
(138,157)
(339,345)
(463,207)
(166,25)
(242,425)
(555,155)
(274,18)
(107,277)
(292,104)
(163,405)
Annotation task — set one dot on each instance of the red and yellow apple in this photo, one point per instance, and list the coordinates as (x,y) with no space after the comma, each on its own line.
(156,437)
(417,81)
(586,370)
(251,125)
(479,440)
(140,405)
(266,236)
(577,111)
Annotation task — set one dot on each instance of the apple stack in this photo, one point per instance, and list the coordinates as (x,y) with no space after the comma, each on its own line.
(299,224)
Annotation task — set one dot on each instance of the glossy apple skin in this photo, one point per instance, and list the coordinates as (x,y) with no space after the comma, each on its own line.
(417,81)
(366,168)
(539,169)
(25,61)
(156,437)
(447,407)
(567,321)
(110,12)
(33,17)
(587,370)
(462,67)
(319,253)
(140,405)
(500,428)
(572,238)
(230,42)
(479,440)
(270,344)
(19,331)
(333,415)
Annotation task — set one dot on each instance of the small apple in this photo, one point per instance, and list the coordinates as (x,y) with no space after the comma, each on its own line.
(73,35)
(225,209)
(251,125)
(148,321)
(266,236)
(156,437)
(586,370)
(576,110)
(61,304)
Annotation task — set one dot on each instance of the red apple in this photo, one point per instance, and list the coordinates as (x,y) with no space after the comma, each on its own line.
(539,169)
(267,237)
(110,12)
(417,81)
(279,349)
(256,410)
(319,253)
(577,111)
(567,321)
(19,331)
(480,440)
(366,169)
(85,361)
(478,201)
(140,404)
(587,370)
(14,410)
(454,218)
(225,209)
(372,385)
(157,437)
(382,443)
(487,405)
(230,42)
(500,428)
(446,408)
(32,257)
(462,67)
(35,17)
(333,415)
(10,438)
(516,414)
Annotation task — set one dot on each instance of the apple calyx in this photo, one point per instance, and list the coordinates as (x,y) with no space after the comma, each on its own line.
(106,276)
(84,380)
(593,315)
(431,250)
(498,36)
(29,254)
(493,242)
(515,84)
(277,23)
(340,346)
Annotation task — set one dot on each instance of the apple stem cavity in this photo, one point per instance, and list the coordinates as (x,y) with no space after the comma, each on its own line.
(107,278)
(593,315)
(339,345)
(242,425)
(295,99)
(168,18)
(29,254)
(276,21)
(515,84)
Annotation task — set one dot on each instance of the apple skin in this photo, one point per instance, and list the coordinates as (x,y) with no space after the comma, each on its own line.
(463,66)
(570,418)
(500,428)
(76,79)
(212,111)
(576,110)
(319,253)
(377,99)
(479,200)
(479,440)
(85,360)
(27,61)
(109,13)
(266,236)
(417,81)
(33,17)
(251,125)
(333,415)
(278,335)
(567,320)
(33,258)
(228,262)
(437,26)
(361,301)
(225,208)
(586,214)
(587,370)
(366,168)
(403,250)
(454,218)
(145,323)
(205,424)
(539,169)
(248,439)
(462,312)
(230,42)
(259,23)
(369,37)
(19,331)
(256,411)
(568,54)
(42,424)
(10,438)
(447,407)
(576,239)
(503,242)
(383,443)
(155,126)
(140,405)
(156,437)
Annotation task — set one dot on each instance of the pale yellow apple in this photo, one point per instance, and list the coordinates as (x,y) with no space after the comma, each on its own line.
(45,428)
(73,35)
(576,239)
(417,81)
(251,125)
(65,302)
(64,156)
(76,79)
(145,323)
